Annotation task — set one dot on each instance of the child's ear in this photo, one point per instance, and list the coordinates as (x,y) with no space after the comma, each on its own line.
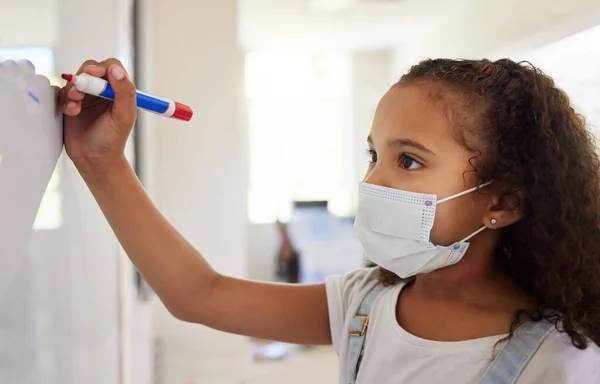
(504,210)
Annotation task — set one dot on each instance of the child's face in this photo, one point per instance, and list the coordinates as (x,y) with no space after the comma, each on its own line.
(414,149)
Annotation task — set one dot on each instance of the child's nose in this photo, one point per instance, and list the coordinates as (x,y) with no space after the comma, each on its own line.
(377,176)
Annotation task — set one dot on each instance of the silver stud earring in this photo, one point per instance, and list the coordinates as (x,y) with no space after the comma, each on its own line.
(493,221)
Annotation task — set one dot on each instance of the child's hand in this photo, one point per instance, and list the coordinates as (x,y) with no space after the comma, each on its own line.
(95,129)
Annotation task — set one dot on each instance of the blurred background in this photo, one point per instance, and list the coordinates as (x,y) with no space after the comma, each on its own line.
(262,180)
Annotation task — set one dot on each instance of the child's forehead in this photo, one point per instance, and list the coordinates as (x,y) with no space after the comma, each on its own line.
(419,111)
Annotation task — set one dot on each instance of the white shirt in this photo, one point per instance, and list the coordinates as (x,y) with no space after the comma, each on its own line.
(394,356)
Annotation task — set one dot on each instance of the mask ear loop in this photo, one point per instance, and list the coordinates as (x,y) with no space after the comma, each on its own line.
(464,192)
(477,232)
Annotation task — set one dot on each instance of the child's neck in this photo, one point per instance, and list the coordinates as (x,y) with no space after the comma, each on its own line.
(453,309)
(464,286)
(476,281)
(471,299)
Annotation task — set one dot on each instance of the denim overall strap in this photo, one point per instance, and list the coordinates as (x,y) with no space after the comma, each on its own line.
(508,365)
(357,331)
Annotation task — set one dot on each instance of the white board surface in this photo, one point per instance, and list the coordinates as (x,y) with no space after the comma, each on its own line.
(30,145)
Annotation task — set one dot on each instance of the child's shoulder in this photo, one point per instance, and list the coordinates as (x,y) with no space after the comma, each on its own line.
(558,361)
(357,279)
(344,295)
(354,285)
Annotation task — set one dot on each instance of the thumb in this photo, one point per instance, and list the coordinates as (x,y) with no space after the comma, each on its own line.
(124,109)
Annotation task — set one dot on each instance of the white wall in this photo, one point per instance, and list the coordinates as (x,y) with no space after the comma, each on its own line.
(197,176)
(103,307)
(475,29)
(573,63)
(20,26)
(370,81)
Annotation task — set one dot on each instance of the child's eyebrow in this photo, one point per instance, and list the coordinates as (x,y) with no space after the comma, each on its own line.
(405,143)
(409,143)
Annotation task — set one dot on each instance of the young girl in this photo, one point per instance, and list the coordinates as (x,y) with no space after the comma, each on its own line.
(480,207)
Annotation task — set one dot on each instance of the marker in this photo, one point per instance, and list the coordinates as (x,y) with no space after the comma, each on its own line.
(99,87)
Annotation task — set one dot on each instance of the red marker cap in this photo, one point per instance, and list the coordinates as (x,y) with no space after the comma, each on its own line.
(182,112)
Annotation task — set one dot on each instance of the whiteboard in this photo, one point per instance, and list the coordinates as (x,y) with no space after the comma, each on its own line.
(60,319)
(30,145)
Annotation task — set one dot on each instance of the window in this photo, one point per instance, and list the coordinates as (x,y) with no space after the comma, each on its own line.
(299,131)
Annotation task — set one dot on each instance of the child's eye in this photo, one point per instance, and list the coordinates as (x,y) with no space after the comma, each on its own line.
(372,155)
(409,163)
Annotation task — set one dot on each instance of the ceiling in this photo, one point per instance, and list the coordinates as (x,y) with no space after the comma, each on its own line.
(417,27)
(446,27)
(365,24)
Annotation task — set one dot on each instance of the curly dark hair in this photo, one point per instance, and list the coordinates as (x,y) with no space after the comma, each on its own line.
(536,149)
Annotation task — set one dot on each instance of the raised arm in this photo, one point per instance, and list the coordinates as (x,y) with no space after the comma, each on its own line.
(95,137)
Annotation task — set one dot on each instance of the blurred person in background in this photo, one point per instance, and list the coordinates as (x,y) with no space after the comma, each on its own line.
(288,259)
